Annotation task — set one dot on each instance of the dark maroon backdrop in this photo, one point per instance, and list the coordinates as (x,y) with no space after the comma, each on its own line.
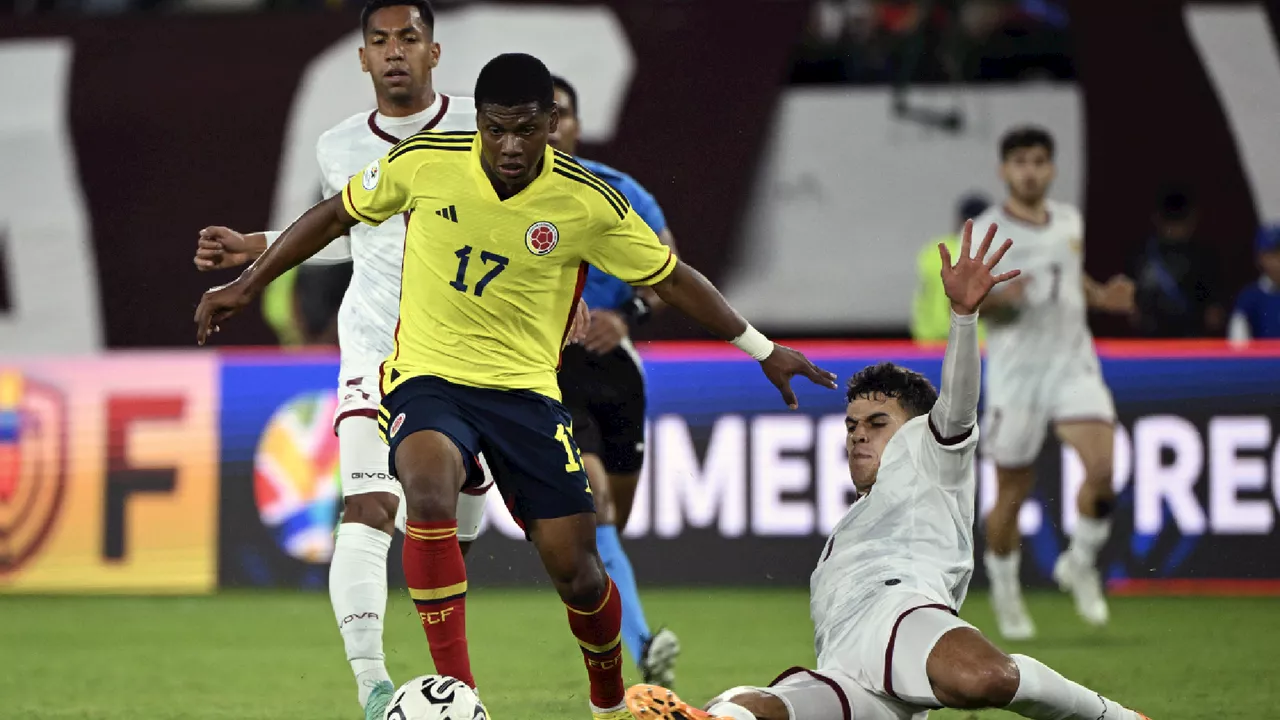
(178,122)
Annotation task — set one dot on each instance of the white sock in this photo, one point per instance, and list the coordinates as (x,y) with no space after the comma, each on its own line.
(1089,537)
(1043,694)
(727,709)
(1002,570)
(358,591)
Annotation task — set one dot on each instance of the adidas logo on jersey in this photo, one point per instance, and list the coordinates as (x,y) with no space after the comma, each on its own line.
(448,213)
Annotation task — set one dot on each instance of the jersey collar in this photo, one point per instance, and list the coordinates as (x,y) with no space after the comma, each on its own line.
(395,129)
(486,187)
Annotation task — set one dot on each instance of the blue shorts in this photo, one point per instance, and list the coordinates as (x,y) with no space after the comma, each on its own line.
(526,438)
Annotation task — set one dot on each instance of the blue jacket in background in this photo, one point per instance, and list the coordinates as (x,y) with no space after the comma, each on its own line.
(605,291)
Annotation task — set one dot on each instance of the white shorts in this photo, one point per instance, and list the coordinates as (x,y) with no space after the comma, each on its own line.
(828,695)
(362,457)
(1019,412)
(886,648)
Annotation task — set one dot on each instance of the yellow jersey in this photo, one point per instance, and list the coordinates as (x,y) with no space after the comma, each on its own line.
(489,286)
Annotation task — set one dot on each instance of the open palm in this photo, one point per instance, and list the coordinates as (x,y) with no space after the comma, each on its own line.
(968,281)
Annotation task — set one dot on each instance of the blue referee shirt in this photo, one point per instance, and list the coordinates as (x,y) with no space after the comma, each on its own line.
(1259,306)
(605,291)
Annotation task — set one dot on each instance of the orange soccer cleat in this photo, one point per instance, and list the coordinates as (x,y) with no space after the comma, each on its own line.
(651,702)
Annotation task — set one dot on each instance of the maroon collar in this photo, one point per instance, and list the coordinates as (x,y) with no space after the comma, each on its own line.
(373,125)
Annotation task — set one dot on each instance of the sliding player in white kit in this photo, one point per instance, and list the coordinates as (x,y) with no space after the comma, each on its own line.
(897,567)
(1042,370)
(399,53)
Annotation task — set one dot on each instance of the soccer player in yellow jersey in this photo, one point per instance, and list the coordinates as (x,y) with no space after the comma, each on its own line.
(502,228)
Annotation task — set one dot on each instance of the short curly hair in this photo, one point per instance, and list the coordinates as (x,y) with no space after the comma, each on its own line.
(912,390)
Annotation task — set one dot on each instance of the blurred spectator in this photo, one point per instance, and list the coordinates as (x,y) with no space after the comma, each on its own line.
(1257,313)
(930,308)
(933,41)
(1176,276)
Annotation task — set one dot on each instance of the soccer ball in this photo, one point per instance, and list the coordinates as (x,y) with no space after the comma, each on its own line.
(435,697)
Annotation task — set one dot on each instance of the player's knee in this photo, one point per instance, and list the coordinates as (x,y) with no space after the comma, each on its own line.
(376,510)
(989,683)
(581,584)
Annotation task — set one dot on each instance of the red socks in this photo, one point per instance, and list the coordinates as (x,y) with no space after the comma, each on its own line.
(437,579)
(599,632)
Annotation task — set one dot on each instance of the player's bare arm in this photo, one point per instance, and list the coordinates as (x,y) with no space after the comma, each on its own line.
(690,292)
(310,233)
(219,248)
(967,284)
(1116,295)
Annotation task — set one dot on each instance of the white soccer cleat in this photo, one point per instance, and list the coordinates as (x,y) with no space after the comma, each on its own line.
(1012,618)
(1085,585)
(658,658)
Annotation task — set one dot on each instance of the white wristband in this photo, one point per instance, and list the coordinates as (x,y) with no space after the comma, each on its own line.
(272,236)
(753,343)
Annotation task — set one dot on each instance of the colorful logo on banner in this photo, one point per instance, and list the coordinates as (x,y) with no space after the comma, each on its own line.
(295,476)
(33,474)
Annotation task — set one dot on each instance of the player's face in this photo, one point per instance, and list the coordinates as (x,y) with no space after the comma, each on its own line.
(1028,172)
(870,420)
(1270,264)
(565,138)
(399,53)
(513,140)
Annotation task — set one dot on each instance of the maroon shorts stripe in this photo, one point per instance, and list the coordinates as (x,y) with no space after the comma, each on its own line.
(846,709)
(355,412)
(893,638)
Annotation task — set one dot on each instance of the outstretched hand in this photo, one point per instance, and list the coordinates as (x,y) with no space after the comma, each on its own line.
(968,281)
(218,304)
(784,363)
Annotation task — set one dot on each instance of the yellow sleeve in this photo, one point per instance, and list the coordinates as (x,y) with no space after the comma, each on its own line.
(629,250)
(382,190)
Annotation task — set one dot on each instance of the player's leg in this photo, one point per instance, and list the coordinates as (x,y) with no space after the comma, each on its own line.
(431,446)
(358,571)
(798,694)
(939,660)
(1013,439)
(538,469)
(618,414)
(1076,570)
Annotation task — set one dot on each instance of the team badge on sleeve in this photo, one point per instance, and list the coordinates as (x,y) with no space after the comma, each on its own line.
(370,179)
(541,238)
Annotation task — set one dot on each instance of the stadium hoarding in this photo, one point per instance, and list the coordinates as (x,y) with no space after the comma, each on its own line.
(108,473)
(736,490)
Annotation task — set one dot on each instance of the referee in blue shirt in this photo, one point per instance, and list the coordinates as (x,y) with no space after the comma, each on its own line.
(602,382)
(1257,312)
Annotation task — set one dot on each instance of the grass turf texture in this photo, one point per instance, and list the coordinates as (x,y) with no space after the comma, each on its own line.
(278,656)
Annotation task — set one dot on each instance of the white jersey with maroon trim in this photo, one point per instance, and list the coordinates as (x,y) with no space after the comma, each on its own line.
(912,533)
(371,305)
(1051,329)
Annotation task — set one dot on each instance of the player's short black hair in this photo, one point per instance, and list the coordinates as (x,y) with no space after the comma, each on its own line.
(912,390)
(559,83)
(1027,136)
(373,6)
(515,79)
(1175,203)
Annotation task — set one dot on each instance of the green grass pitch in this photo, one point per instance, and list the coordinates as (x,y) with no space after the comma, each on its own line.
(277,656)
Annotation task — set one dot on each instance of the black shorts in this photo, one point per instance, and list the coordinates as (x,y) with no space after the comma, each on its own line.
(525,437)
(605,396)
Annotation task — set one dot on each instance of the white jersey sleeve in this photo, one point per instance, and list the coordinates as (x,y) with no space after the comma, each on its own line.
(953,427)
(338,251)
